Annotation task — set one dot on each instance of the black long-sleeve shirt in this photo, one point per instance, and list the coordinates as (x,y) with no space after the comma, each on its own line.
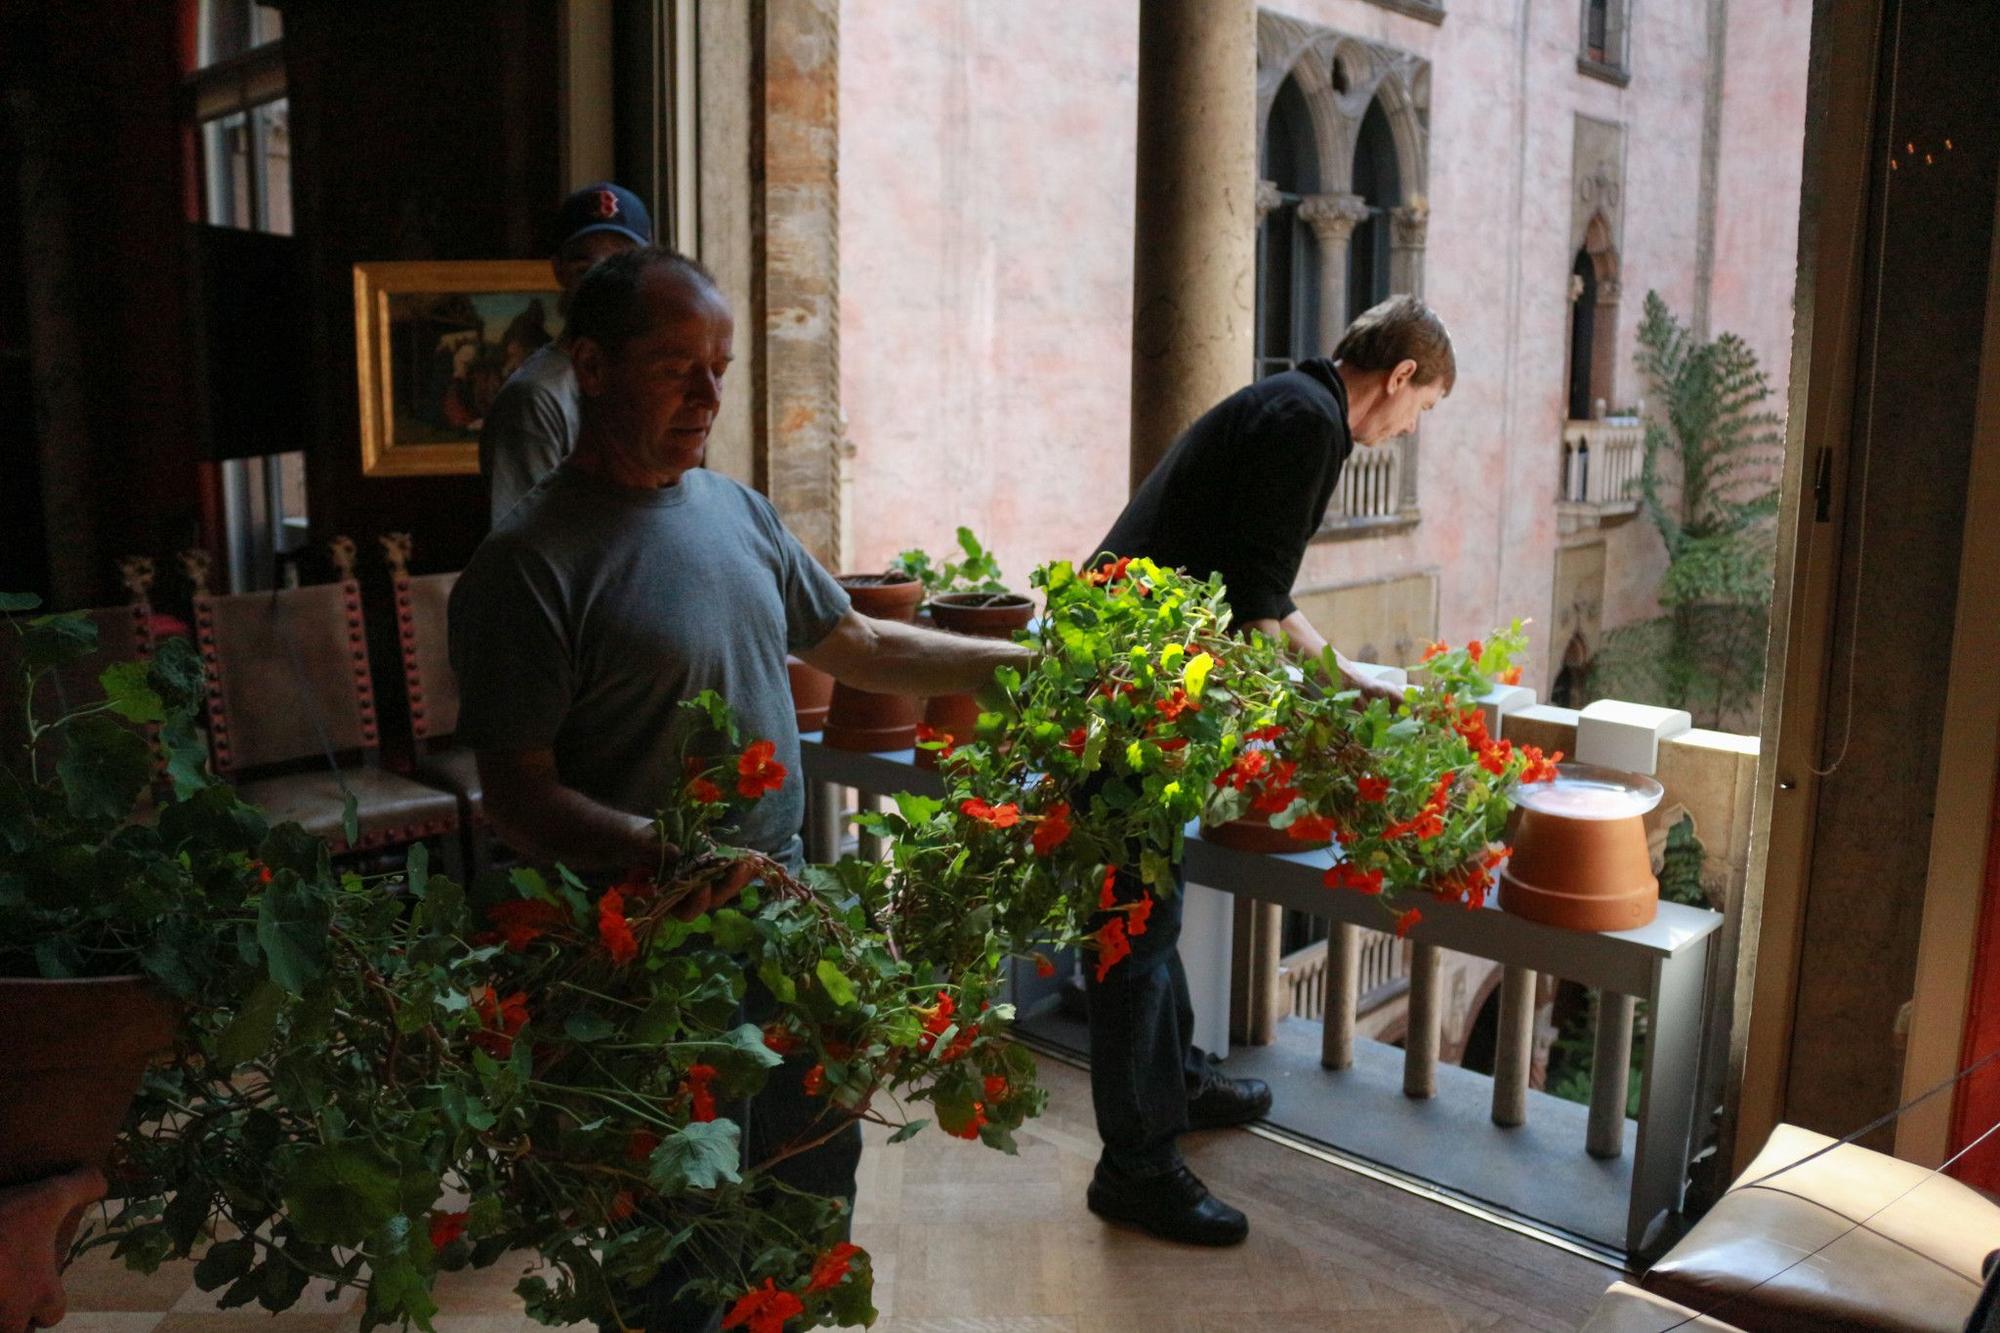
(1244,489)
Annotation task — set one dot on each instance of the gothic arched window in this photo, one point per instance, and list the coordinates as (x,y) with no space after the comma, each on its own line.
(1379,185)
(1287,257)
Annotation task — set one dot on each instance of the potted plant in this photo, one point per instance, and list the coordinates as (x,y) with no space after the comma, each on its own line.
(103,921)
(861,719)
(964,596)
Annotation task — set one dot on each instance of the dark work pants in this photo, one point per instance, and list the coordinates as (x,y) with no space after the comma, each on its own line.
(779,1115)
(1142,1052)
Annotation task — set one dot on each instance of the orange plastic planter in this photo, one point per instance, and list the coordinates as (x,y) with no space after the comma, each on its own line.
(1580,858)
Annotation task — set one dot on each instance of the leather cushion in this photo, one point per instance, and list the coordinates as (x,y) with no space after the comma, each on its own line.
(288,674)
(392,809)
(1627,1309)
(1916,1266)
(456,771)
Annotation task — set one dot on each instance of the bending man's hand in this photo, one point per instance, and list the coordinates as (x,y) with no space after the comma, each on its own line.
(36,1223)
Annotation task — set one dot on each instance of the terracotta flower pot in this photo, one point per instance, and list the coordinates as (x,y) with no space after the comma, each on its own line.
(1253,833)
(72,1053)
(982,615)
(858,719)
(1580,858)
(812,691)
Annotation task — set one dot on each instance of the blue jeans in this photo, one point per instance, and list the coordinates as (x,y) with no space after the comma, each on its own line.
(782,1113)
(1142,1052)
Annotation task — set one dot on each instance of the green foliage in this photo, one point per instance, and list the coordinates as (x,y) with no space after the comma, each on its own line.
(1705,486)
(1680,872)
(976,571)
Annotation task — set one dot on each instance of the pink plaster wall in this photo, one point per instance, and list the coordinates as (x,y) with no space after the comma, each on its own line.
(986,203)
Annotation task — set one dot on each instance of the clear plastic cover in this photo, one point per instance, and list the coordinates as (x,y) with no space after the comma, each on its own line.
(1585,791)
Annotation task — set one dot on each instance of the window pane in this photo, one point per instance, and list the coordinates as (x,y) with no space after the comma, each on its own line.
(231,27)
(274,166)
(225,151)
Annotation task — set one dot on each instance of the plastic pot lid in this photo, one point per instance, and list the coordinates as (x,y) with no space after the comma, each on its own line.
(1585,791)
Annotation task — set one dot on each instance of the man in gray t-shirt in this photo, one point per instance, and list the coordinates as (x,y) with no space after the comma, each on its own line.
(632,579)
(532,424)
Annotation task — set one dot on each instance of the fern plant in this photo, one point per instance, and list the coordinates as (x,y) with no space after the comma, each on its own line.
(1710,453)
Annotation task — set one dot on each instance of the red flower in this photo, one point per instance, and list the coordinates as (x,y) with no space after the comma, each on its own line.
(1373,789)
(1172,743)
(927,733)
(1136,914)
(970,1130)
(1052,830)
(613,929)
(1407,920)
(1347,875)
(705,791)
(938,1018)
(1471,725)
(1540,769)
(446,1228)
(1475,650)
(1511,676)
(757,772)
(1436,650)
(1107,892)
(1110,573)
(521,921)
(764,1309)
(1270,733)
(703,1098)
(1172,708)
(814,1082)
(1247,768)
(640,1146)
(1310,828)
(961,1044)
(1076,741)
(1112,946)
(996,1088)
(501,1021)
(779,1038)
(1043,967)
(1495,757)
(263,872)
(832,1267)
(993,816)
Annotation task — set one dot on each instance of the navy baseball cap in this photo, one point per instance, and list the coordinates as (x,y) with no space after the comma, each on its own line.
(603,207)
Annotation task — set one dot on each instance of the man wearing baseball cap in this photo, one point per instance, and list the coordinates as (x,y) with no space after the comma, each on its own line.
(533,422)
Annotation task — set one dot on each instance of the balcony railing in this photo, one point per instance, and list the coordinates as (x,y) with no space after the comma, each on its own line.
(1600,464)
(1590,1172)
(1384,967)
(1371,484)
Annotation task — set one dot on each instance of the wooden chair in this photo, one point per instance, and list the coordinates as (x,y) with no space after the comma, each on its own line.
(432,690)
(124,634)
(291,714)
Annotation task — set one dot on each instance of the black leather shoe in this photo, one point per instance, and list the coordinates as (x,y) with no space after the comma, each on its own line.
(1173,1206)
(1218,1101)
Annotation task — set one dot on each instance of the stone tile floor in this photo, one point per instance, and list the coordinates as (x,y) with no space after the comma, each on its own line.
(968,1241)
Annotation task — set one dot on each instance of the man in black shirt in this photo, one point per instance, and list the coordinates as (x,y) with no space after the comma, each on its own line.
(1241,493)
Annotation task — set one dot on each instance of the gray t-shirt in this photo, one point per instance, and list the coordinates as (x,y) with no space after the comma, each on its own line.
(593,610)
(530,428)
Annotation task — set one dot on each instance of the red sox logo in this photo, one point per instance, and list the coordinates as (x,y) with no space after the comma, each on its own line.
(607,204)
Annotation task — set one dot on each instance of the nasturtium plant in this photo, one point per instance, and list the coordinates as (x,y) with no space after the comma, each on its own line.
(976,569)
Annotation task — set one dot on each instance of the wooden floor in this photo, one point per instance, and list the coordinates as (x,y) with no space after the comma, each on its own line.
(968,1241)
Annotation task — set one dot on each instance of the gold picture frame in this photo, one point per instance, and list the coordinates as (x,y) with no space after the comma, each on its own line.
(434,340)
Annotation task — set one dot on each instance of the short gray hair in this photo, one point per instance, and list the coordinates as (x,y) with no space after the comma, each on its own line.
(1400,329)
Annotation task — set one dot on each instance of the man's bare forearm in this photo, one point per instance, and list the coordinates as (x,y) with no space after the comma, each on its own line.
(890,657)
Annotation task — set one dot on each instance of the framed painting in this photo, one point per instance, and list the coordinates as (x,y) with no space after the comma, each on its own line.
(435,340)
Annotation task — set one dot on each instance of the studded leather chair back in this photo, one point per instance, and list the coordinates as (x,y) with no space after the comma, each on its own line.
(420,625)
(287,675)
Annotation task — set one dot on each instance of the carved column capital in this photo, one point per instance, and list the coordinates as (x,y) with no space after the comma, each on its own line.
(1333,217)
(1409,225)
(1268,198)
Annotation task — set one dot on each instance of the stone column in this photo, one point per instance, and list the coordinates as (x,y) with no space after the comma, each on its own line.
(1408,226)
(1333,218)
(1194,267)
(1268,198)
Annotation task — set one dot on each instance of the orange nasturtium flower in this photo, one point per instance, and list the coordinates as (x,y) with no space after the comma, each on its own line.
(996,1088)
(1044,967)
(814,1082)
(777,1037)
(1372,789)
(1310,828)
(757,772)
(1112,946)
(613,929)
(446,1228)
(701,1096)
(1436,650)
(1511,676)
(831,1267)
(927,733)
(764,1309)
(1407,920)
(1136,914)
(1347,875)
(521,921)
(1475,650)
(1052,831)
(971,1127)
(501,1020)
(994,816)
